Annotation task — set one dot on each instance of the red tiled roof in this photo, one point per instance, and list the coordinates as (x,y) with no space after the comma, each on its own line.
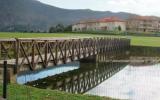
(143,18)
(106,19)
(87,21)
(111,19)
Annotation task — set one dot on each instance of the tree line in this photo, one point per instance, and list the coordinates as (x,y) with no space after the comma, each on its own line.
(34,29)
(60,28)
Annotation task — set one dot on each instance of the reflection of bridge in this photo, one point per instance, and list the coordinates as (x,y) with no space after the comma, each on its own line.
(33,54)
(80,80)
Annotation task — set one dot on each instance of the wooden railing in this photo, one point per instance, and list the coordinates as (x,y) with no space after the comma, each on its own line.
(38,53)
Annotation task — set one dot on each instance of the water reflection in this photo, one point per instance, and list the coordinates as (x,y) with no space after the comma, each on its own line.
(80,80)
(145,51)
(138,80)
(133,83)
(23,78)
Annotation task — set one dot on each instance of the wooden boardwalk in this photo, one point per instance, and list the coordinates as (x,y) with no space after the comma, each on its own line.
(39,53)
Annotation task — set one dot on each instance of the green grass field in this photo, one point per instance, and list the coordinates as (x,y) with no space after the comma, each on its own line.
(36,35)
(19,92)
(135,40)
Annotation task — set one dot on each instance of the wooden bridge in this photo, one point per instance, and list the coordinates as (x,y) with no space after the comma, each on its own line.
(38,53)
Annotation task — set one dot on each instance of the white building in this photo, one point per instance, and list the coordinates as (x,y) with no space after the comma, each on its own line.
(104,24)
(143,24)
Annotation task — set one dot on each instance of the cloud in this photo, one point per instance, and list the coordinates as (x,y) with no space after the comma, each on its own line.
(142,7)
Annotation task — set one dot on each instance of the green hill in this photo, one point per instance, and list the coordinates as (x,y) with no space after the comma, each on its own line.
(20,15)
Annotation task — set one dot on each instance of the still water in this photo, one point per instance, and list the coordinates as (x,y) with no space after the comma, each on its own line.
(133,83)
(35,75)
(133,75)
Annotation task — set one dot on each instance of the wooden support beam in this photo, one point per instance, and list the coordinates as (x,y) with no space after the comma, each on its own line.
(79,48)
(33,54)
(73,50)
(65,52)
(46,54)
(56,52)
(26,56)
(0,50)
(17,52)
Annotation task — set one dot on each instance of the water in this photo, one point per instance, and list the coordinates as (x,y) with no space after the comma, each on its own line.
(23,78)
(133,83)
(132,75)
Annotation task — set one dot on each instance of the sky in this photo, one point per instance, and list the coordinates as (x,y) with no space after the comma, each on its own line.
(142,7)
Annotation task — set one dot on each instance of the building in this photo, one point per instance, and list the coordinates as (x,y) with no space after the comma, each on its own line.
(104,24)
(143,24)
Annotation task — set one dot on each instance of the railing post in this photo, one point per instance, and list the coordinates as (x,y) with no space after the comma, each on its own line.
(65,52)
(56,52)
(46,53)
(89,45)
(97,45)
(17,53)
(73,48)
(0,51)
(104,43)
(93,44)
(84,48)
(33,54)
(79,49)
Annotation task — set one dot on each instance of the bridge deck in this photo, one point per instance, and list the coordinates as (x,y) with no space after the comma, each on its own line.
(31,54)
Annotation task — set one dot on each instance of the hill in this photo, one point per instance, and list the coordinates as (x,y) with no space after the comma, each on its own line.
(21,15)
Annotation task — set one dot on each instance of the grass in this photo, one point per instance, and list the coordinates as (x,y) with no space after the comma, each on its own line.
(20,92)
(145,41)
(37,35)
(135,40)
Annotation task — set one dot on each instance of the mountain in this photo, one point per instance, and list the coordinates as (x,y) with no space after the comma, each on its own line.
(20,15)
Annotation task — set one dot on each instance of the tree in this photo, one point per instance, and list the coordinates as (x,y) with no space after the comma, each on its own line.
(119,28)
(60,28)
(52,29)
(68,28)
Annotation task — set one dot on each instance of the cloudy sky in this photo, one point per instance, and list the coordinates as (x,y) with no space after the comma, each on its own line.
(142,7)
